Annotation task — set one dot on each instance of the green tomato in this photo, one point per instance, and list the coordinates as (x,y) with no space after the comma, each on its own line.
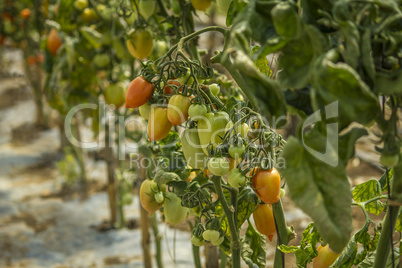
(127,199)
(236,179)
(119,49)
(211,235)
(218,242)
(192,149)
(131,19)
(101,60)
(211,129)
(223,6)
(174,211)
(214,88)
(159,197)
(161,48)
(81,4)
(240,128)
(236,151)
(104,12)
(282,193)
(197,241)
(197,111)
(219,166)
(147,8)
(389,161)
(145,109)
(115,94)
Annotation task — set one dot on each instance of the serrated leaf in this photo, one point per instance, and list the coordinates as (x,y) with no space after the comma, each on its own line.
(246,204)
(262,63)
(367,191)
(311,184)
(253,248)
(369,262)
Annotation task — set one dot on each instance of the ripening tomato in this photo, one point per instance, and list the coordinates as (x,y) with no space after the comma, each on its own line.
(25,13)
(174,211)
(158,124)
(169,90)
(53,41)
(140,43)
(89,15)
(115,94)
(147,196)
(264,220)
(192,150)
(201,4)
(267,184)
(211,129)
(139,92)
(325,258)
(178,109)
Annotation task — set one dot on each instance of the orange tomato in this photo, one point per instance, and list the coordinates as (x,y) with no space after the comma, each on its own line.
(139,92)
(158,124)
(25,13)
(53,41)
(325,258)
(267,184)
(264,220)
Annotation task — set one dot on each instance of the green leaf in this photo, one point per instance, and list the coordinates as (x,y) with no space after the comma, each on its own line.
(246,204)
(92,36)
(351,34)
(369,262)
(296,62)
(311,184)
(235,8)
(339,82)
(367,191)
(347,143)
(253,250)
(307,249)
(262,63)
(389,84)
(398,225)
(367,59)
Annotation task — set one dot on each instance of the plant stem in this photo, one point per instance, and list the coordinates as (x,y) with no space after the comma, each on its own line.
(158,241)
(196,256)
(223,258)
(388,226)
(235,244)
(284,235)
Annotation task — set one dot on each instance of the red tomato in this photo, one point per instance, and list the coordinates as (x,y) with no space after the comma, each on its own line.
(158,124)
(25,13)
(177,111)
(2,39)
(267,184)
(138,93)
(31,60)
(325,258)
(53,41)
(264,220)
(40,58)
